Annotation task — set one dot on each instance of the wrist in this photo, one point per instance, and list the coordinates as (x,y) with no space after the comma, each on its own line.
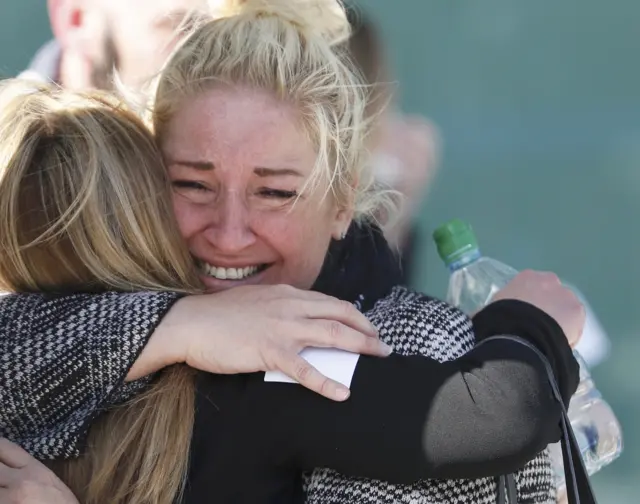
(168,344)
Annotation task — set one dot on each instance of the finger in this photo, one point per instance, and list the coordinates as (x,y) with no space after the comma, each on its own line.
(547,278)
(288,291)
(306,375)
(8,476)
(334,334)
(551,278)
(320,305)
(309,295)
(341,311)
(12,455)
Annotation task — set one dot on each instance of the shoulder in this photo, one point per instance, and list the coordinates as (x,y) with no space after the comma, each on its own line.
(414,323)
(404,304)
(51,307)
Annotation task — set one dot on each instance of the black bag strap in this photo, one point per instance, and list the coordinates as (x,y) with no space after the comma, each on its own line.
(512,492)
(502,488)
(507,491)
(578,485)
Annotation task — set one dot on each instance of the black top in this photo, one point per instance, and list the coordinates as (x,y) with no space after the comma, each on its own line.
(408,417)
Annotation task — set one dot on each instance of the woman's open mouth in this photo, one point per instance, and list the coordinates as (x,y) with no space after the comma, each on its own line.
(222,273)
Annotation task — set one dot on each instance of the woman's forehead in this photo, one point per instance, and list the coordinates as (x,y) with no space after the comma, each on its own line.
(232,123)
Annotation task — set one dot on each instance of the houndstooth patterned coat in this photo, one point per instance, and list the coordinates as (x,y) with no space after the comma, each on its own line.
(414,324)
(64,360)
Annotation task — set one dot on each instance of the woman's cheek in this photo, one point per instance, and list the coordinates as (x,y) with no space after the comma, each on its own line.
(191,219)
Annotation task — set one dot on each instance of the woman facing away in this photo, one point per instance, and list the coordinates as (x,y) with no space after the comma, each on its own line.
(263,147)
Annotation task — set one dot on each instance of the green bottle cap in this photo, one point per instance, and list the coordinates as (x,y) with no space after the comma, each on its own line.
(454,239)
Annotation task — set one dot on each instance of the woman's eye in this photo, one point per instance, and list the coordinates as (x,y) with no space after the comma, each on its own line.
(193,191)
(188,184)
(277,193)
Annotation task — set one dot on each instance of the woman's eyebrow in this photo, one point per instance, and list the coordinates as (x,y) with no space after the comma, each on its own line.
(198,165)
(274,172)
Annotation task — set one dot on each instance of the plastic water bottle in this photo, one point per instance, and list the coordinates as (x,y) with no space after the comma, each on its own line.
(474,281)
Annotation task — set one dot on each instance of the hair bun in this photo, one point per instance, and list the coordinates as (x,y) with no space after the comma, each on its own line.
(325,18)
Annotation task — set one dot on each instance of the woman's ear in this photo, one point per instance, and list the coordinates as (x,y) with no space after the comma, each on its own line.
(342,220)
(66,18)
(344,212)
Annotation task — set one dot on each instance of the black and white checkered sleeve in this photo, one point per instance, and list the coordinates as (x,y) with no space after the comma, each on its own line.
(64,358)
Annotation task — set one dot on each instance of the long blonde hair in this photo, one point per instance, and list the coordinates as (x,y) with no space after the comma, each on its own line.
(86,206)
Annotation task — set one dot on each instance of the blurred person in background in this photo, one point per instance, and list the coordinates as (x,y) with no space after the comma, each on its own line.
(92,38)
(405,155)
(404,148)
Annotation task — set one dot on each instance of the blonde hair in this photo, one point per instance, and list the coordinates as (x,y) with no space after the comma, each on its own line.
(297,51)
(86,207)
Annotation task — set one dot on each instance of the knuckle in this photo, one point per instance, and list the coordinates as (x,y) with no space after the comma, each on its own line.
(274,359)
(279,290)
(546,280)
(582,311)
(287,290)
(347,308)
(303,371)
(552,278)
(571,298)
(369,344)
(525,277)
(355,342)
(335,330)
(325,386)
(544,277)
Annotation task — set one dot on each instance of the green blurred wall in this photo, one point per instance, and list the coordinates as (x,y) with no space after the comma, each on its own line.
(24,26)
(539,106)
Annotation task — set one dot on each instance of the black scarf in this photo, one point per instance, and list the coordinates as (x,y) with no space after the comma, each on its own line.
(360,269)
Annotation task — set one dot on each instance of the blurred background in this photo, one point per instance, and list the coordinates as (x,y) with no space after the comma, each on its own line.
(538,107)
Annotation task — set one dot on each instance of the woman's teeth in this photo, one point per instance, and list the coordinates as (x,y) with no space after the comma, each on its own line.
(229,273)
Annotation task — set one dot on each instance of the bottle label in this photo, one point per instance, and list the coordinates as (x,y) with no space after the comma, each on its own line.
(465,259)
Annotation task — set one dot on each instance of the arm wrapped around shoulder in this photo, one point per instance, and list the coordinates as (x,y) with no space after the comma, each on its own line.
(487,413)
(64,358)
(410,417)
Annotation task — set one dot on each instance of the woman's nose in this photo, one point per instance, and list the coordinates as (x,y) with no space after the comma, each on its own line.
(230,232)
